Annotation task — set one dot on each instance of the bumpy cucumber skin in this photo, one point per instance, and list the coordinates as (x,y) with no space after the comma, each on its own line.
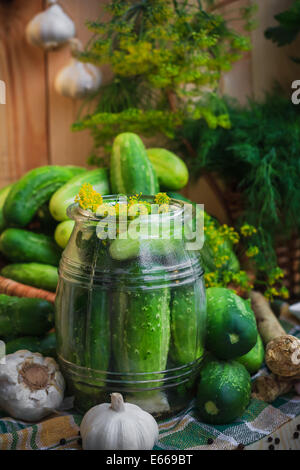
(231,324)
(225,386)
(130,168)
(45,345)
(65,195)
(185,345)
(43,276)
(3,195)
(24,316)
(171,171)
(19,245)
(98,331)
(70,321)
(141,331)
(33,190)
(254,358)
(63,232)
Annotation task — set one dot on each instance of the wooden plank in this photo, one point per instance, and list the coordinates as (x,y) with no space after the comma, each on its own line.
(270,62)
(68,147)
(23,133)
(238,81)
(285,433)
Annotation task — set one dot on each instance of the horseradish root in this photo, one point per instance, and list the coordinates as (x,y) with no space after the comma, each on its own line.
(268,325)
(282,351)
(270,387)
(283,355)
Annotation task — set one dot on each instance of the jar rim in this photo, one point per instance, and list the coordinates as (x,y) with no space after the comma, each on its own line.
(77,213)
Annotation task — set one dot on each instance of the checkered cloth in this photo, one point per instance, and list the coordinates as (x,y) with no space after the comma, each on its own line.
(183,431)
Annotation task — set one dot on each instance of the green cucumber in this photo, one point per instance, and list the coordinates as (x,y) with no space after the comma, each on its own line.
(45,220)
(3,195)
(254,359)
(123,249)
(187,325)
(98,331)
(20,316)
(45,345)
(33,190)
(231,324)
(19,245)
(63,232)
(65,195)
(131,171)
(70,321)
(224,391)
(171,170)
(141,330)
(43,276)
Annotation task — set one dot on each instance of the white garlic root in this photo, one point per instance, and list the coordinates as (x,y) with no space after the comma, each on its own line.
(31,386)
(51,28)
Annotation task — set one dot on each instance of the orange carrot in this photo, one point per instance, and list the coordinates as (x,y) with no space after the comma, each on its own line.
(10,287)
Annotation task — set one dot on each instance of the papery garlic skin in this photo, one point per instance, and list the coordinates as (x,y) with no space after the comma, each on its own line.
(118,426)
(78,80)
(50,28)
(31,386)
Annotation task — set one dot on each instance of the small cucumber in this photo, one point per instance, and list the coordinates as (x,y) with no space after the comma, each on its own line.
(254,358)
(33,190)
(19,245)
(224,391)
(20,316)
(231,324)
(98,331)
(3,195)
(63,232)
(45,345)
(171,170)
(45,220)
(141,330)
(187,325)
(131,171)
(38,275)
(65,195)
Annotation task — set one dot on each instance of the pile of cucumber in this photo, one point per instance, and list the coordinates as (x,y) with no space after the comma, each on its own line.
(234,352)
(35,227)
(30,251)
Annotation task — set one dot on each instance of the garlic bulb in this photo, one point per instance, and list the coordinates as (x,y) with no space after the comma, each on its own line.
(31,385)
(78,80)
(50,28)
(118,425)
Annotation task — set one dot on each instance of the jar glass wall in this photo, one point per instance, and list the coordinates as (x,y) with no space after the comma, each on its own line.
(130,312)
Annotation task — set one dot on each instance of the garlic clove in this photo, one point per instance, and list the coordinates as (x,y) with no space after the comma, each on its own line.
(50,28)
(78,80)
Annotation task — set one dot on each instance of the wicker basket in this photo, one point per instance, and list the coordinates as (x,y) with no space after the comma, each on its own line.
(287,251)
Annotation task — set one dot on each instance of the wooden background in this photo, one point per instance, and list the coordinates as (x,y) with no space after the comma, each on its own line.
(35,121)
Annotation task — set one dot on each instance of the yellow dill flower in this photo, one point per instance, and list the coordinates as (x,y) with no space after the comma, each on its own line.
(162,198)
(248,230)
(284,293)
(252,251)
(88,198)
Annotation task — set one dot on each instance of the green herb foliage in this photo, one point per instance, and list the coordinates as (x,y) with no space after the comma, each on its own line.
(164,54)
(259,156)
(288,28)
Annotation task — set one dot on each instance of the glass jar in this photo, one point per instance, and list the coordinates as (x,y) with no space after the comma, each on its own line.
(130,312)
